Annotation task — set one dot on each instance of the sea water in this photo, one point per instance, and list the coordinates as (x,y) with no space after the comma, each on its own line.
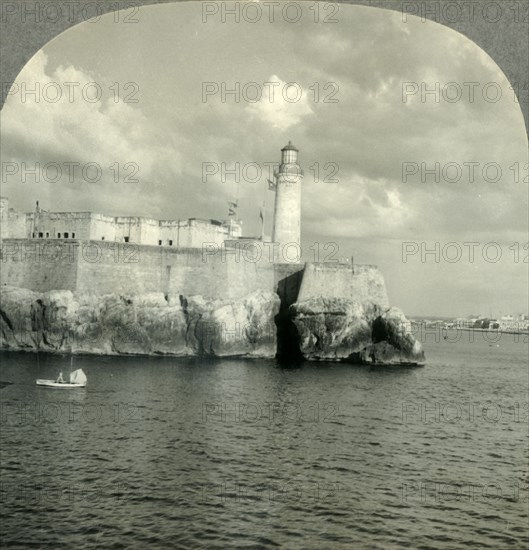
(160,452)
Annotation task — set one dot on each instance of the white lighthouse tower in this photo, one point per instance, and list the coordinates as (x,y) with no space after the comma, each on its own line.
(287,209)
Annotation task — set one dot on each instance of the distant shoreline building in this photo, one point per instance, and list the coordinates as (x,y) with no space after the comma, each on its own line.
(503,324)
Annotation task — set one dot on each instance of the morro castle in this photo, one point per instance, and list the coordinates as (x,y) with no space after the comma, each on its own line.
(97,253)
(137,259)
(188,233)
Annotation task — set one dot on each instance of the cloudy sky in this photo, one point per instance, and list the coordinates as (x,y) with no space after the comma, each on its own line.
(367,133)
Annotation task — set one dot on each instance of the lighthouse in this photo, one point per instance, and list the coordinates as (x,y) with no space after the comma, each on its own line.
(287,208)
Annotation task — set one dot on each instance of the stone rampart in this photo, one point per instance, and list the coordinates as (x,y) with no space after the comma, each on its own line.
(40,265)
(103,267)
(354,282)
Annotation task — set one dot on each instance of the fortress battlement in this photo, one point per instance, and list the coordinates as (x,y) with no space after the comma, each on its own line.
(42,224)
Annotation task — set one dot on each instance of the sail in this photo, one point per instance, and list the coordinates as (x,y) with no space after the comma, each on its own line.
(78,377)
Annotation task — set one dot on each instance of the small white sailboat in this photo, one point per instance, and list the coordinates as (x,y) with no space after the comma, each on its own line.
(77,380)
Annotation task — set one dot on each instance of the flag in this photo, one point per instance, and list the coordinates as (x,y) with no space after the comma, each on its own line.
(231,212)
(272,185)
(232,204)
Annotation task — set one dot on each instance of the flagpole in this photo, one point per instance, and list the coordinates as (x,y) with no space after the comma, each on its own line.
(262,215)
(262,212)
(237,198)
(272,186)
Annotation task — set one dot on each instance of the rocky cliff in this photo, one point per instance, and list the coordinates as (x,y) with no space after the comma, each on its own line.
(65,321)
(111,324)
(343,329)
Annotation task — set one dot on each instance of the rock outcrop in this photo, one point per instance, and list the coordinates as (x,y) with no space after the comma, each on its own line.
(150,323)
(341,329)
(336,329)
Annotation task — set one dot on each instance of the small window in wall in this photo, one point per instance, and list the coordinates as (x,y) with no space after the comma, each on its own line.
(73,235)
(170,243)
(126,239)
(47,234)
(102,238)
(58,235)
(66,235)
(41,235)
(159,243)
(33,235)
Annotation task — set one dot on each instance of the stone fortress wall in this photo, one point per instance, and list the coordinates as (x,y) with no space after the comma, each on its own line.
(105,267)
(335,280)
(22,264)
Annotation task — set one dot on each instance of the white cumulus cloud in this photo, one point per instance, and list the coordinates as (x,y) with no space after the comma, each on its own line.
(282,104)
